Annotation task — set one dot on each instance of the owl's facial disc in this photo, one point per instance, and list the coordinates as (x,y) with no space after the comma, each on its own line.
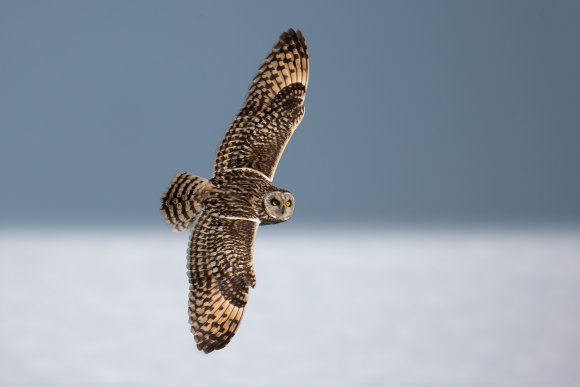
(279,205)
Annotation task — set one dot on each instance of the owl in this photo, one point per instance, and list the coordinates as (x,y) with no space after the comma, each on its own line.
(226,210)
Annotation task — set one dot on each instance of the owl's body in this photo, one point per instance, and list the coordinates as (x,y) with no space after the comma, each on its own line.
(227,209)
(236,193)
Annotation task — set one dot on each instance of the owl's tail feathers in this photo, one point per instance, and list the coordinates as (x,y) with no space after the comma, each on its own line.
(181,201)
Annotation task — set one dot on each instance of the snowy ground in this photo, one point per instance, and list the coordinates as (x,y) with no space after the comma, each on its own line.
(412,308)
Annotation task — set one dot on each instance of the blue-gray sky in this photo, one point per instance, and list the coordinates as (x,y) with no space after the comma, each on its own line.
(416,110)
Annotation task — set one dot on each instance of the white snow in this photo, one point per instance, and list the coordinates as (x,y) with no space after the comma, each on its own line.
(377,308)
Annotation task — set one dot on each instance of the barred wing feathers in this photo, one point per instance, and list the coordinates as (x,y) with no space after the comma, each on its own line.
(272,110)
(220,273)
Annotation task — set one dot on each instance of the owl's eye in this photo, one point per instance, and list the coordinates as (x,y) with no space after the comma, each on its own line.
(288,203)
(275,202)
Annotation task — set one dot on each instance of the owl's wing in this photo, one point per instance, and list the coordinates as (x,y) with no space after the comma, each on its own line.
(220,273)
(272,110)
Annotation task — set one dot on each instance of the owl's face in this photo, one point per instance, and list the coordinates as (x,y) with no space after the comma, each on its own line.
(279,205)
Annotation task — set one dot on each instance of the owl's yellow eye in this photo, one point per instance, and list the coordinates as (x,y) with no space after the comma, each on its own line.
(275,202)
(288,203)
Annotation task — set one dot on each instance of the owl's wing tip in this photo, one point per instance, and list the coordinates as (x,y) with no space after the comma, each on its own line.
(210,346)
(292,34)
(204,349)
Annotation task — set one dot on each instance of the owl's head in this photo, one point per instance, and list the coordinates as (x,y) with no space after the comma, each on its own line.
(279,205)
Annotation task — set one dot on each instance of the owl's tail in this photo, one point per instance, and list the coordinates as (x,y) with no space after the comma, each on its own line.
(181,201)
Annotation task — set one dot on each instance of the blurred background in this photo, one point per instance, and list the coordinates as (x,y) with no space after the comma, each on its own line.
(436,240)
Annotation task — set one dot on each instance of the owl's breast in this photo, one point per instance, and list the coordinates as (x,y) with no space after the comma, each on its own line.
(241,192)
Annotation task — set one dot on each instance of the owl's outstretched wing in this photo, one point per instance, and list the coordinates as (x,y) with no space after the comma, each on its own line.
(272,110)
(220,273)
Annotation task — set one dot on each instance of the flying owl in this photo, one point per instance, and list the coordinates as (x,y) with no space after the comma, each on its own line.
(227,209)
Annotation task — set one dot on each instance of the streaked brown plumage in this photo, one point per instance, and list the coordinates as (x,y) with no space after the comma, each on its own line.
(228,208)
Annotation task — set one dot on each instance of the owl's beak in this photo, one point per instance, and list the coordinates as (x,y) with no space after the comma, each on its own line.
(286,213)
